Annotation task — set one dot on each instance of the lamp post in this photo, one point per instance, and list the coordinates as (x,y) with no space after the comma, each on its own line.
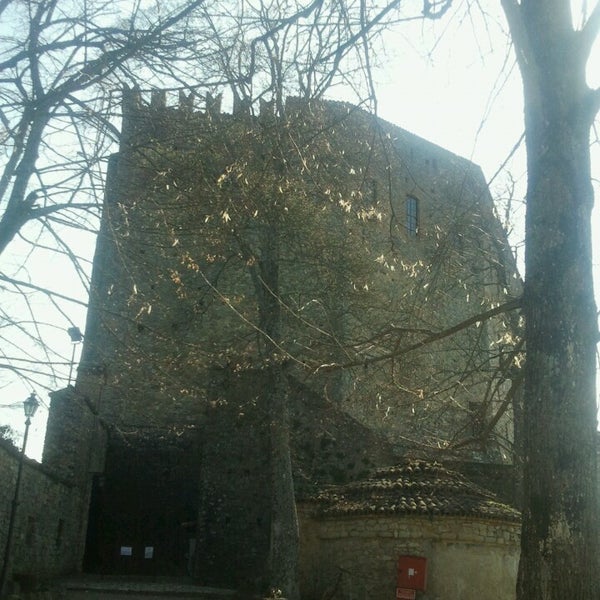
(29,406)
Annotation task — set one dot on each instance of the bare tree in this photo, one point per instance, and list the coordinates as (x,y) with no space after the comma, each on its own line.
(58,62)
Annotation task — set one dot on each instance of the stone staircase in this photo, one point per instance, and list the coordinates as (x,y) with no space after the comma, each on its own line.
(144,588)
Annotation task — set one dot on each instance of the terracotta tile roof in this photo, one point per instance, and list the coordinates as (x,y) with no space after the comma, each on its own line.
(414,487)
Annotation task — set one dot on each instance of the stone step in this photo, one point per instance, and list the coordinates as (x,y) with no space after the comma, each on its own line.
(147,588)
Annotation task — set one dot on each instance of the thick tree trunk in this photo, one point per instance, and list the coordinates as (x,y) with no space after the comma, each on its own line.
(559,548)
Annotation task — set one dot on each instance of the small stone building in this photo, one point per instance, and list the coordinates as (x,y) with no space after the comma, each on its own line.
(354,534)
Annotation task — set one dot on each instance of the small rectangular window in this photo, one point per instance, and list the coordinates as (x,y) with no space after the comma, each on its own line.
(59,533)
(412,216)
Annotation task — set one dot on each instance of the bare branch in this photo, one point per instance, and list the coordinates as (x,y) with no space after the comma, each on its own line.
(38,288)
(503,308)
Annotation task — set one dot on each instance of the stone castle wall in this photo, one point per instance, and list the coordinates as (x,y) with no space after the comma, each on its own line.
(236,474)
(51,519)
(47,534)
(174,290)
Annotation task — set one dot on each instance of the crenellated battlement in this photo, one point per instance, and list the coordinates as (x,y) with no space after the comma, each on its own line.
(161,114)
(136,102)
(160,104)
(135,99)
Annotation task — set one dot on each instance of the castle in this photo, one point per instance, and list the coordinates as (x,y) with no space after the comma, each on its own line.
(320,283)
(375,239)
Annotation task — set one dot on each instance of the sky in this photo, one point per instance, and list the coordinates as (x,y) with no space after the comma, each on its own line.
(455,84)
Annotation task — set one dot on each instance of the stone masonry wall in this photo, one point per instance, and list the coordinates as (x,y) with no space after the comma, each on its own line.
(174,290)
(51,520)
(234,519)
(356,557)
(47,528)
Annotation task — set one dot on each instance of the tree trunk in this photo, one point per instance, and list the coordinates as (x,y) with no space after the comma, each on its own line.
(559,547)
(283,558)
(284,539)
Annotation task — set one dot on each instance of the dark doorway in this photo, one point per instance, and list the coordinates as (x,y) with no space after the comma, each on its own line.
(143,507)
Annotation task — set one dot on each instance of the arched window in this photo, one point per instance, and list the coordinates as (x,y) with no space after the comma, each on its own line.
(412,216)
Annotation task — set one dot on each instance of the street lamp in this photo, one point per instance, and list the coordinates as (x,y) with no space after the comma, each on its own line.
(76,338)
(29,407)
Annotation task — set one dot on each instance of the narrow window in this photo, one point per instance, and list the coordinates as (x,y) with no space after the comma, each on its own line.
(30,532)
(412,216)
(59,533)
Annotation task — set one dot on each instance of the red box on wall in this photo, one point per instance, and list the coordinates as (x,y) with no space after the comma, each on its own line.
(412,572)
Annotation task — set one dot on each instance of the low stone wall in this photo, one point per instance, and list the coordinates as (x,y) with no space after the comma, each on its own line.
(355,557)
(47,528)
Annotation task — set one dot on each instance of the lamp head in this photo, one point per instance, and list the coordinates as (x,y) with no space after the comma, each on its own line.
(31,405)
(75,334)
